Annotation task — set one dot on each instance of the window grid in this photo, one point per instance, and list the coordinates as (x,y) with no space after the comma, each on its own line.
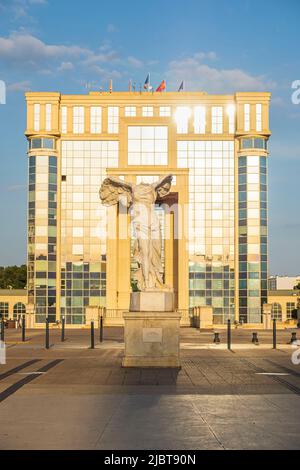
(246,117)
(37,115)
(258,117)
(231,119)
(147,111)
(96,119)
(211,224)
(217,120)
(182,116)
(165,111)
(3,309)
(200,120)
(130,111)
(64,119)
(113,120)
(147,145)
(290,306)
(78,119)
(83,225)
(48,117)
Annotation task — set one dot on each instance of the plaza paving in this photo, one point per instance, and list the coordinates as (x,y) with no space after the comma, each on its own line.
(73,397)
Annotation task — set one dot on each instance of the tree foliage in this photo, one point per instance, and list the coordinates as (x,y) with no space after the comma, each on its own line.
(13,277)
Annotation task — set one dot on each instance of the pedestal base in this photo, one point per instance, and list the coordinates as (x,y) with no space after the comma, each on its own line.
(152,339)
(155,301)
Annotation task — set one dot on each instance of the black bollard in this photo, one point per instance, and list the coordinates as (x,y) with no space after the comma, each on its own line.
(2,330)
(274,334)
(217,338)
(23,329)
(47,334)
(63,329)
(101,329)
(293,338)
(229,334)
(255,339)
(92,335)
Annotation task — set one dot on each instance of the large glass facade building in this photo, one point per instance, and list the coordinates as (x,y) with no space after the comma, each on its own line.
(214,222)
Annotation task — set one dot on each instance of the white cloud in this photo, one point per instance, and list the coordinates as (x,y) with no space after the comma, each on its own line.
(134,62)
(19,9)
(25,49)
(64,66)
(200,76)
(19,86)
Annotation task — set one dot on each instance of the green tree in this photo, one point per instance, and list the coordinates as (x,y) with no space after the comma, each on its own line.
(14,277)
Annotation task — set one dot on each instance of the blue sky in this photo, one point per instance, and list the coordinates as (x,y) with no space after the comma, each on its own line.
(220,46)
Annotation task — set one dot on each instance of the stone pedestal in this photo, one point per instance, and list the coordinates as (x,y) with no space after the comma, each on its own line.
(152,339)
(156,301)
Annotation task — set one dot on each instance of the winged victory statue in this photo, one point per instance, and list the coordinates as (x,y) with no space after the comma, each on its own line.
(140,198)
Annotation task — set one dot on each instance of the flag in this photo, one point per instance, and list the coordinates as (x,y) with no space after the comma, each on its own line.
(110,86)
(162,86)
(147,83)
(181,86)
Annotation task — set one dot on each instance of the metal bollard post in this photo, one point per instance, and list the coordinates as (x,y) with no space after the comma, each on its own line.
(2,330)
(255,339)
(47,334)
(92,335)
(101,329)
(274,334)
(229,334)
(63,329)
(293,338)
(217,338)
(23,329)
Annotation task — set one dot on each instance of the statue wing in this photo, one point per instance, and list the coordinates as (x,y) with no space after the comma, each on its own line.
(114,190)
(163,186)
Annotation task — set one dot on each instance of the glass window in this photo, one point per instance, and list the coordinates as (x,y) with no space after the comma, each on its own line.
(182,116)
(260,143)
(48,143)
(290,306)
(36,143)
(3,309)
(217,120)
(36,117)
(48,117)
(231,118)
(78,119)
(147,145)
(199,120)
(64,118)
(147,111)
(77,250)
(95,119)
(19,309)
(113,120)
(42,143)
(130,111)
(246,117)
(165,111)
(259,117)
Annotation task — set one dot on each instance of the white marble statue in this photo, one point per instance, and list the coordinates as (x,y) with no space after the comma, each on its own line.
(141,199)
